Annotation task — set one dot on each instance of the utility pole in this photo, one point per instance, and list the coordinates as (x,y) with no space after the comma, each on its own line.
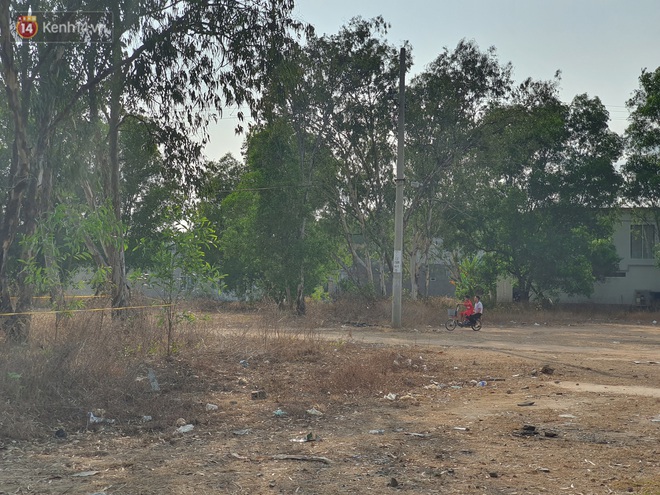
(397,265)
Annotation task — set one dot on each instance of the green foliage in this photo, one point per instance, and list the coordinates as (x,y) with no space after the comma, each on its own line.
(476,275)
(271,239)
(175,263)
(642,168)
(319,294)
(538,188)
(63,244)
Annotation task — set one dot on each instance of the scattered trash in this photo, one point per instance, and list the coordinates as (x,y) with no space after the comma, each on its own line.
(526,431)
(151,374)
(536,325)
(185,428)
(244,363)
(390,396)
(279,413)
(376,432)
(419,435)
(456,387)
(285,457)
(94,419)
(84,474)
(314,412)
(310,437)
(550,434)
(547,370)
(461,428)
(246,431)
(146,419)
(656,419)
(435,385)
(258,394)
(570,416)
(211,407)
(543,470)
(528,403)
(482,383)
(655,322)
(60,433)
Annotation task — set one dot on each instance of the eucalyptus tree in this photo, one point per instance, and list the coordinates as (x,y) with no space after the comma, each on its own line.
(272,240)
(361,72)
(180,63)
(297,110)
(445,109)
(331,106)
(38,80)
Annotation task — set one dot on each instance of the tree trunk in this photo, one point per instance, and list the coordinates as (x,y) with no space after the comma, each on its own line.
(20,165)
(301,308)
(120,293)
(414,276)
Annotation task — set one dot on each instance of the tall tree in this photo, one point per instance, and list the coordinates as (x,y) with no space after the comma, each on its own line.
(271,224)
(642,168)
(533,198)
(362,71)
(445,110)
(179,62)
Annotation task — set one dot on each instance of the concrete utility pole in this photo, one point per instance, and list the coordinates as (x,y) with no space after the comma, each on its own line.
(397,265)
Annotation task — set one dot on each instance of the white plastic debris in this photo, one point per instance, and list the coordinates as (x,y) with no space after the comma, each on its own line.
(185,428)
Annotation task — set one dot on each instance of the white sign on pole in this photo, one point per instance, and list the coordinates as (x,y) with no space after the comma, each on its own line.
(397,262)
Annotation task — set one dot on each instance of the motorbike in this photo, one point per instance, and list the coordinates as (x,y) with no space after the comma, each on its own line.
(454,321)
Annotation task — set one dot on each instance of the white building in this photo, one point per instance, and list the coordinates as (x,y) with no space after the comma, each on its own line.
(637,282)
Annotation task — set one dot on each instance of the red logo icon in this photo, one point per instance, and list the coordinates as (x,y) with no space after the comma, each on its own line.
(27,26)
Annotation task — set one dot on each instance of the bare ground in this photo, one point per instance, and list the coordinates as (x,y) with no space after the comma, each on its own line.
(560,410)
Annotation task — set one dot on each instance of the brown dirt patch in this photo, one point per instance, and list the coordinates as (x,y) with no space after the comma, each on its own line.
(564,410)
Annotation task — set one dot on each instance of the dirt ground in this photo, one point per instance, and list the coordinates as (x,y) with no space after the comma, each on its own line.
(519,409)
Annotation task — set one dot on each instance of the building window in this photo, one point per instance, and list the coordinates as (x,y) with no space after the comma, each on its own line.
(642,241)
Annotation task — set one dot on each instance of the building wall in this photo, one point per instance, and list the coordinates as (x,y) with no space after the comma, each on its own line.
(635,276)
(637,283)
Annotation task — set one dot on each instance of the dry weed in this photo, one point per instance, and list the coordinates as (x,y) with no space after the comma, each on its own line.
(90,361)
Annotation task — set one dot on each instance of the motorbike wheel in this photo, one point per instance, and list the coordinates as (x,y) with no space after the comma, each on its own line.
(477,326)
(450,325)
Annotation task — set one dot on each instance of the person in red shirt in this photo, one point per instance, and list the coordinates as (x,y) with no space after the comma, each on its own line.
(469,309)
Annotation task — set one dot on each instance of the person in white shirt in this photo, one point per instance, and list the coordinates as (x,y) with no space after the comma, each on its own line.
(478,310)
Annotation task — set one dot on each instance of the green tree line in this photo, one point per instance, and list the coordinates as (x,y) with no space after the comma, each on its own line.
(100,157)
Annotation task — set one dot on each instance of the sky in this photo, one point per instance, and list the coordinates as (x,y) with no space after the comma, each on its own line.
(600,46)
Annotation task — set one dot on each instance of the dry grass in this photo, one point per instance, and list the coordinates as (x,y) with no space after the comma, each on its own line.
(94,362)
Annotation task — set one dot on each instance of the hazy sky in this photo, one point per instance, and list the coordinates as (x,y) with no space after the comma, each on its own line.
(600,46)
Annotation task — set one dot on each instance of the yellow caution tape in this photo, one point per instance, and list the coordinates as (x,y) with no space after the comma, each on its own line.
(84,310)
